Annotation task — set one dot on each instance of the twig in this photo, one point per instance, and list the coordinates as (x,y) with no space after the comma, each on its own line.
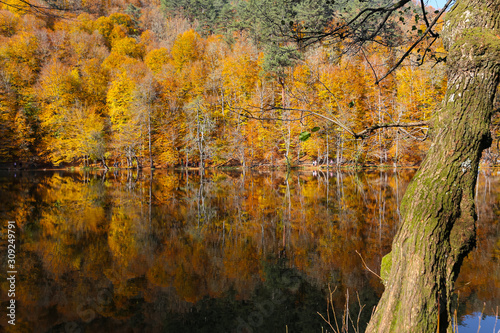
(308,113)
(368,131)
(400,61)
(366,267)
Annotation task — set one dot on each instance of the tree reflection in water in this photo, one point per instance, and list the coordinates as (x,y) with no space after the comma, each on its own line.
(218,252)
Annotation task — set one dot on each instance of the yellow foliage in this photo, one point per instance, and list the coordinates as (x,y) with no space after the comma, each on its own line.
(104,26)
(15,6)
(117,32)
(94,81)
(118,62)
(119,101)
(79,132)
(123,20)
(84,22)
(240,74)
(187,47)
(8,23)
(127,46)
(20,57)
(156,59)
(167,154)
(115,26)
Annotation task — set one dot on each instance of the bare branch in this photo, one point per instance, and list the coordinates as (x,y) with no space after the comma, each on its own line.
(427,50)
(389,12)
(424,13)
(341,30)
(308,113)
(366,266)
(407,53)
(368,131)
(369,64)
(50,8)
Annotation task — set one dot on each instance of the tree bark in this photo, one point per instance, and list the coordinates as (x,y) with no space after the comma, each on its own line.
(439,217)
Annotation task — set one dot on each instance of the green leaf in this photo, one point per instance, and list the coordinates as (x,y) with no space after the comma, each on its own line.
(304,136)
(351,104)
(315,129)
(413,28)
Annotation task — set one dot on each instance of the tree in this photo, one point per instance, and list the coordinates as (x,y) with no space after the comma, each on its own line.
(438,208)
(212,15)
(125,124)
(146,94)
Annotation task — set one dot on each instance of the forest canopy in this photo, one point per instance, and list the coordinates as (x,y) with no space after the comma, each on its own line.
(210,82)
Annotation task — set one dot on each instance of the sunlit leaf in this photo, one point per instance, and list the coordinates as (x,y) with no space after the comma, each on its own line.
(304,136)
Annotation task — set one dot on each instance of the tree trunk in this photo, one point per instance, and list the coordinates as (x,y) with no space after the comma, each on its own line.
(327,152)
(138,163)
(104,165)
(438,228)
(151,165)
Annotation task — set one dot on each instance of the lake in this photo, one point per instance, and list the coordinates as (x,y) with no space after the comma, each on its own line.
(227,251)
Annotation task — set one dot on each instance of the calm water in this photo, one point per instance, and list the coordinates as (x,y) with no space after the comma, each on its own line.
(227,252)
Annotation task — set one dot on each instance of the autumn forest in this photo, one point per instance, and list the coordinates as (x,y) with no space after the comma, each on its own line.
(285,136)
(135,84)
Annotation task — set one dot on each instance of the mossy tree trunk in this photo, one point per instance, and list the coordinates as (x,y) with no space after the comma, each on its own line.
(439,217)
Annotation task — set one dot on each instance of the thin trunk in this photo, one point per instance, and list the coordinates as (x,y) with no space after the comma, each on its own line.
(150,203)
(105,166)
(397,150)
(149,141)
(439,218)
(327,152)
(200,134)
(138,164)
(380,120)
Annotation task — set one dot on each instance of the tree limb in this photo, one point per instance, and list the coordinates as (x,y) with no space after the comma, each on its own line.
(368,131)
(424,13)
(407,53)
(308,113)
(51,8)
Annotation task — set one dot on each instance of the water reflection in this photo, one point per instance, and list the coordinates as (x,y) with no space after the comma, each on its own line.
(217,252)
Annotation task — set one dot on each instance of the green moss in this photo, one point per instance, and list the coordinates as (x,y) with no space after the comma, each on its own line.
(395,318)
(385,269)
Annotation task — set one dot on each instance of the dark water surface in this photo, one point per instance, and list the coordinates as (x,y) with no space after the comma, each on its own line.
(226,252)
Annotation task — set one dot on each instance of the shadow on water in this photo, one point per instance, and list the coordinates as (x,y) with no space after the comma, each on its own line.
(219,252)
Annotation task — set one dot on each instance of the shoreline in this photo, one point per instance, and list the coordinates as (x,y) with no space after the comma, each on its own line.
(232,168)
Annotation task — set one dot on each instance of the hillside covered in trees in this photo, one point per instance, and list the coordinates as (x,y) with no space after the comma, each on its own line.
(209,82)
